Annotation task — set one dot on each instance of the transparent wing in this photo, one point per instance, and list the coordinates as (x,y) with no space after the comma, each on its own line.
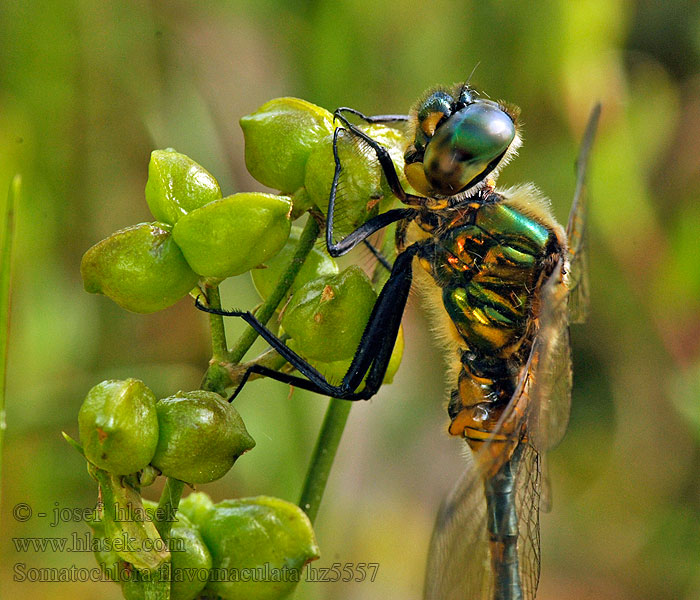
(459,561)
(459,564)
(576,228)
(560,303)
(528,481)
(550,370)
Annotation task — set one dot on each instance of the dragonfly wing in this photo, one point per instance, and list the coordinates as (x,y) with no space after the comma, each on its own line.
(579,294)
(545,484)
(527,500)
(548,370)
(459,561)
(576,229)
(459,564)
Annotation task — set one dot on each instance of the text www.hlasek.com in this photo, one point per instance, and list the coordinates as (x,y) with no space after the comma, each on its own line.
(89,543)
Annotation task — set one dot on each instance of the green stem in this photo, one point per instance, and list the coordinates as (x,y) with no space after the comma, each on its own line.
(218,377)
(323,456)
(6,238)
(269,359)
(167,506)
(268,308)
(216,325)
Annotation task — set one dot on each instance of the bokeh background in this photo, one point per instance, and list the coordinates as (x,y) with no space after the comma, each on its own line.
(88,89)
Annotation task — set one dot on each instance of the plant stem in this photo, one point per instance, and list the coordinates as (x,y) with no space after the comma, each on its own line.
(268,308)
(216,325)
(323,456)
(218,377)
(167,505)
(6,238)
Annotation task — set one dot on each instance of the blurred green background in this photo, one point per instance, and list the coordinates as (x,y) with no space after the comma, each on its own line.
(88,89)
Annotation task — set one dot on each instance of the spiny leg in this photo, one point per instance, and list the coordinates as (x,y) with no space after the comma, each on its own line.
(379,336)
(373,353)
(361,233)
(374,118)
(377,253)
(383,157)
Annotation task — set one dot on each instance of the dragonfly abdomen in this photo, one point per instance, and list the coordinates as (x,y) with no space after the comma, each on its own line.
(502,526)
(476,409)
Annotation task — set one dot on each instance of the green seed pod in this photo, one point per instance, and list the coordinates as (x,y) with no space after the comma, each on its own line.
(301,202)
(326,317)
(195,507)
(147,476)
(365,191)
(189,566)
(231,236)
(177,185)
(335,371)
(278,139)
(317,264)
(268,535)
(200,436)
(119,426)
(141,268)
(191,558)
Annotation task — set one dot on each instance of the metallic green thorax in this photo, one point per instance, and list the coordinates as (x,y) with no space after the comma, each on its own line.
(487,267)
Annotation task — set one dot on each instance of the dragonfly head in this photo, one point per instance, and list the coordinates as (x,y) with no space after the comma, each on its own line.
(459,139)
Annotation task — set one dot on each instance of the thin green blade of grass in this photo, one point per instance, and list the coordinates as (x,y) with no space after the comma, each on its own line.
(7,229)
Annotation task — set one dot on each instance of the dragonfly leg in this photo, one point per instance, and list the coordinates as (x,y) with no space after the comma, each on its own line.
(374,118)
(295,380)
(373,353)
(379,336)
(378,255)
(382,154)
(366,229)
(374,224)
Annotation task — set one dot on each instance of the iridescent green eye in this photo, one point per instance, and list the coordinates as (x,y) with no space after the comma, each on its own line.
(467,147)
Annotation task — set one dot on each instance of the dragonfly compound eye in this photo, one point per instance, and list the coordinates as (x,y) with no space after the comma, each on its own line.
(433,110)
(467,147)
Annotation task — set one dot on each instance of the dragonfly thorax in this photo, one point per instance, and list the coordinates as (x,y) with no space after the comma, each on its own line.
(488,257)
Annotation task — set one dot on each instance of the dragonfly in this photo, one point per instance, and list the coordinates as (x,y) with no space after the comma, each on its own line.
(504,280)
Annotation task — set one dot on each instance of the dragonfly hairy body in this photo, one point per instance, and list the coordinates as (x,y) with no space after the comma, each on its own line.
(486,261)
(504,279)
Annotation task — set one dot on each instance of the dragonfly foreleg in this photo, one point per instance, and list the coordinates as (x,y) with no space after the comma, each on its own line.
(378,255)
(373,118)
(373,353)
